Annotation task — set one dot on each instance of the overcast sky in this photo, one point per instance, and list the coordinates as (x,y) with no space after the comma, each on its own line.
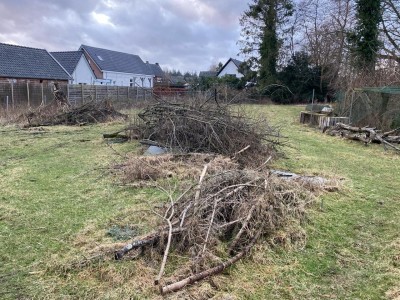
(189,35)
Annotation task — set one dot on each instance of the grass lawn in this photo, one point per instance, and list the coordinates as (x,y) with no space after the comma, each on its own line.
(57,198)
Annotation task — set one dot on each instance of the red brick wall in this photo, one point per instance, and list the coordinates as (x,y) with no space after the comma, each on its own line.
(95,68)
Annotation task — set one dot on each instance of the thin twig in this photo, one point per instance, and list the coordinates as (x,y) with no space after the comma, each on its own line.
(215,270)
(210,225)
(242,229)
(164,261)
(198,188)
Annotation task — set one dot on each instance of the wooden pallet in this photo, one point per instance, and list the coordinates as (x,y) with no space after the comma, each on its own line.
(311,118)
(326,121)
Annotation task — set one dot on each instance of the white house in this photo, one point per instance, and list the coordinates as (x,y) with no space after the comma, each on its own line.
(118,68)
(231,68)
(76,65)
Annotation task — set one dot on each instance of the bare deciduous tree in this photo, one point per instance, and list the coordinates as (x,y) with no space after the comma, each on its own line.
(391,29)
(325,24)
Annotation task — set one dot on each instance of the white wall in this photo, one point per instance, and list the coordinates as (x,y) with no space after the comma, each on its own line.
(83,73)
(230,69)
(124,79)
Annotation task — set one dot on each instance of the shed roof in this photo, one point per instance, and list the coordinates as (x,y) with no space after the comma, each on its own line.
(236,62)
(32,63)
(68,59)
(109,60)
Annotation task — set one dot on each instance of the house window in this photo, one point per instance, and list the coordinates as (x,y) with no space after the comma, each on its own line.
(131,82)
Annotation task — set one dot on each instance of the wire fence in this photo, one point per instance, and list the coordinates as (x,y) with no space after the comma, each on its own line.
(23,95)
(375,107)
(17,96)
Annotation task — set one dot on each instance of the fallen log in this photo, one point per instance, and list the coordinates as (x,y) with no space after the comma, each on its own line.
(365,134)
(391,132)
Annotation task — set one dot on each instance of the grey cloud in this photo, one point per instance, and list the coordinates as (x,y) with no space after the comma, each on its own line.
(183,34)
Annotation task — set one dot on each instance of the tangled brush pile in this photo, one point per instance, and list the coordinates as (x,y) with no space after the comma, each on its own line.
(88,113)
(222,217)
(207,127)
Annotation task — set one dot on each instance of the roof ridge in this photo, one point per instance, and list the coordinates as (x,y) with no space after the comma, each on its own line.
(28,62)
(69,75)
(110,50)
(65,51)
(22,46)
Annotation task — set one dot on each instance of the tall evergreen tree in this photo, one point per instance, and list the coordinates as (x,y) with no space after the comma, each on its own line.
(365,38)
(260,40)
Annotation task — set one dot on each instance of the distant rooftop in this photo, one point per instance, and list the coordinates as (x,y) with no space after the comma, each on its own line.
(68,59)
(109,60)
(208,74)
(25,62)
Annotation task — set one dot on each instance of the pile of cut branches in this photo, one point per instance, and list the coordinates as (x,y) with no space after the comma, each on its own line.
(217,221)
(63,114)
(207,127)
(366,135)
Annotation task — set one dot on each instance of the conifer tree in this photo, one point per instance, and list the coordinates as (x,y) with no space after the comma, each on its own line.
(365,37)
(261,36)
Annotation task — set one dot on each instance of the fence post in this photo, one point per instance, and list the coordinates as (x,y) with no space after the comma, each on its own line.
(117,92)
(82,94)
(351,107)
(95,93)
(12,93)
(127,92)
(7,103)
(41,86)
(27,91)
(68,91)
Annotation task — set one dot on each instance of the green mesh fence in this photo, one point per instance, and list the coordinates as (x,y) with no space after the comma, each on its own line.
(372,106)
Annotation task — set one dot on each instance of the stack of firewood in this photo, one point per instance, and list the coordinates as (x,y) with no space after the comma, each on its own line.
(366,135)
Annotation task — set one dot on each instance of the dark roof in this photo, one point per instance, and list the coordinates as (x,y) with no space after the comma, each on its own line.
(24,62)
(177,79)
(156,70)
(208,74)
(68,59)
(235,61)
(109,60)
